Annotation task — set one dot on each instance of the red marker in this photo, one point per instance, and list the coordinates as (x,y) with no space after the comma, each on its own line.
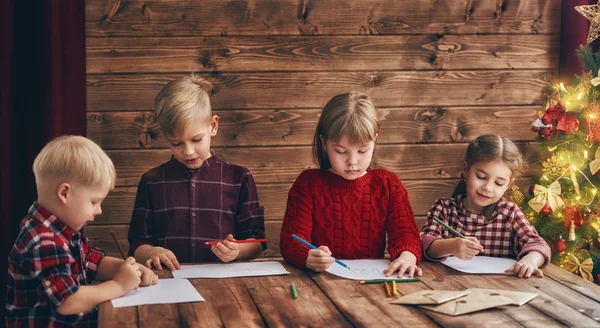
(244,241)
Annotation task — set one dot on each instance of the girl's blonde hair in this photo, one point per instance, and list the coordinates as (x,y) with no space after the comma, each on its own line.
(76,159)
(182,101)
(491,147)
(351,114)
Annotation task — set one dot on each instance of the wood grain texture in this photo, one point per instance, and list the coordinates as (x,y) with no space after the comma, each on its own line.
(284,164)
(556,308)
(338,17)
(368,305)
(315,53)
(314,89)
(438,279)
(131,130)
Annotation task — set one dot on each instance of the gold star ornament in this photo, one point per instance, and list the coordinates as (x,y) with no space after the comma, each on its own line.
(591,12)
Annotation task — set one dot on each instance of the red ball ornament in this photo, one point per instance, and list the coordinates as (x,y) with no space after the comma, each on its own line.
(546,210)
(560,245)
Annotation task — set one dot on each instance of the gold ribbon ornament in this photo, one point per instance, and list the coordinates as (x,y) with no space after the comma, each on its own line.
(584,268)
(541,195)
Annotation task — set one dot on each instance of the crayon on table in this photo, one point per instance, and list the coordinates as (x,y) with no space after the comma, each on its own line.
(315,247)
(394,290)
(387,289)
(294,292)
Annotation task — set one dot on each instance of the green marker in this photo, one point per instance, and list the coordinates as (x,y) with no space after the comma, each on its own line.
(449,228)
(381,281)
(294,292)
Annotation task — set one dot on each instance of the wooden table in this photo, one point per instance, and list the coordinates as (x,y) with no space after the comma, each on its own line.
(564,299)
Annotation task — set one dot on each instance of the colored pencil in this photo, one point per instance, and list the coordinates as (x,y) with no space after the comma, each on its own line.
(294,292)
(387,289)
(394,290)
(118,245)
(315,247)
(381,281)
(449,228)
(243,241)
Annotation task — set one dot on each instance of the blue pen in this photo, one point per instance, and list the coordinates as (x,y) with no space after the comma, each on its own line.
(315,247)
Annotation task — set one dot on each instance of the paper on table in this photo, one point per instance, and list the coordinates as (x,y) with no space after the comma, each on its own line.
(229,270)
(518,298)
(480,264)
(164,292)
(431,297)
(476,300)
(363,270)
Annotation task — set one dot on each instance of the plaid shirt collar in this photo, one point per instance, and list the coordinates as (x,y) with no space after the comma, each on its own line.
(180,167)
(466,213)
(39,213)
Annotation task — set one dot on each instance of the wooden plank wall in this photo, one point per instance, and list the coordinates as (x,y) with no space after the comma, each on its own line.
(441,71)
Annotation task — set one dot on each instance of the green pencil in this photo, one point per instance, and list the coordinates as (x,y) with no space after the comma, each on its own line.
(381,281)
(449,228)
(294,292)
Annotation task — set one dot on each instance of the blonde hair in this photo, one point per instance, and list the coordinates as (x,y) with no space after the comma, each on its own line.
(491,147)
(181,101)
(76,159)
(351,114)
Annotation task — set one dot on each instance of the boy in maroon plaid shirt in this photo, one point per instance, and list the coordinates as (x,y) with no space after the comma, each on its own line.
(194,197)
(51,264)
(493,226)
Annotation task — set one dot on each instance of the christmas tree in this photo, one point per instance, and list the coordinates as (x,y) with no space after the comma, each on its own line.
(562,202)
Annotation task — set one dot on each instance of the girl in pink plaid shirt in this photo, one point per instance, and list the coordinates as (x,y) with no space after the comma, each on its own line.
(493,226)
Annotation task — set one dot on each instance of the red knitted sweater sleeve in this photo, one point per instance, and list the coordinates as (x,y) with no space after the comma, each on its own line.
(297,220)
(401,227)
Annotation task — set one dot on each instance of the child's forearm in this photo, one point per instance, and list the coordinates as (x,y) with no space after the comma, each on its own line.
(108,268)
(440,248)
(86,297)
(249,251)
(537,257)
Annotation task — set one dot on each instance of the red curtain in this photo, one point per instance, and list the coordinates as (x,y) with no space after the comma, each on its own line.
(573,33)
(42,96)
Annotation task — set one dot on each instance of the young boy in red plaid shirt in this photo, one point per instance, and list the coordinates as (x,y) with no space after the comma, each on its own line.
(51,265)
(194,197)
(493,226)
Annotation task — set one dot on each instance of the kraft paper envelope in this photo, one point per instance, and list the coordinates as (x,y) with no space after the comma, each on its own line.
(518,298)
(430,297)
(472,302)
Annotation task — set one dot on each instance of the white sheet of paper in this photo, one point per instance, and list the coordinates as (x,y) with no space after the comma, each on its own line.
(229,270)
(166,291)
(362,269)
(480,264)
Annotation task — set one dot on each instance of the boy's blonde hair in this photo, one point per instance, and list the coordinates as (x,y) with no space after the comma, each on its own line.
(352,114)
(76,159)
(181,101)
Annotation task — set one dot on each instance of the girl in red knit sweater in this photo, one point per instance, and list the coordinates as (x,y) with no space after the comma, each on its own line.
(345,207)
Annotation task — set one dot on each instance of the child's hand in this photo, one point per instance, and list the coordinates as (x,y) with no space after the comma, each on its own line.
(227,250)
(405,263)
(158,255)
(148,277)
(465,249)
(527,266)
(320,259)
(128,276)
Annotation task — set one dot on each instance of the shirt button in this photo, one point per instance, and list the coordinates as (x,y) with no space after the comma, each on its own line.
(193,244)
(47,283)
(193,213)
(193,184)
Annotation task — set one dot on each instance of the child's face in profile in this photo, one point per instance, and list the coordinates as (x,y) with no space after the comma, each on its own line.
(191,145)
(81,204)
(486,183)
(350,161)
